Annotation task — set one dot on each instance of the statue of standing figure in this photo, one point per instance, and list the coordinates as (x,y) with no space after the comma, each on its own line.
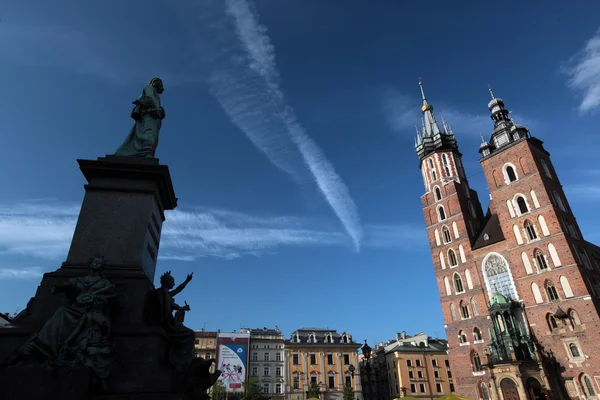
(148,115)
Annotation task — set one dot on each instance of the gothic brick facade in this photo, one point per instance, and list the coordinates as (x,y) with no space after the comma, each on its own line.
(519,285)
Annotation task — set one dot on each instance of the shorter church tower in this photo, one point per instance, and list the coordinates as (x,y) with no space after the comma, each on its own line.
(522,305)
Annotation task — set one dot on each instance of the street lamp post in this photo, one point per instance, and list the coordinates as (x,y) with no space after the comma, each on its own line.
(366,351)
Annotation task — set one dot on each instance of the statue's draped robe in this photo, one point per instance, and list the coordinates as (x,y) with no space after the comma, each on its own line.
(78,334)
(143,136)
(182,338)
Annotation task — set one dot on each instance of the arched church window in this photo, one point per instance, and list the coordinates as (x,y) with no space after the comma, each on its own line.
(497,276)
(530,231)
(483,392)
(462,338)
(574,318)
(438,193)
(546,169)
(511,175)
(522,205)
(433,174)
(477,334)
(551,291)
(476,362)
(446,234)
(452,258)
(540,260)
(441,213)
(446,165)
(559,201)
(574,350)
(551,321)
(458,286)
(464,310)
(586,384)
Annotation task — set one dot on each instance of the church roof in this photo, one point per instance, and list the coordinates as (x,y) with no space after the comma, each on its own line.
(491,232)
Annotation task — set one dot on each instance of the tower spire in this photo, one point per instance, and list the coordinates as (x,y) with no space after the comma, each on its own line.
(431,127)
(491,92)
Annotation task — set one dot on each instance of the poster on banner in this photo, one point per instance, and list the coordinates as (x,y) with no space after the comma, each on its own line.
(232,360)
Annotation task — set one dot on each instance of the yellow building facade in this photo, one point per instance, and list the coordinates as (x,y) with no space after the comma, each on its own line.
(325,357)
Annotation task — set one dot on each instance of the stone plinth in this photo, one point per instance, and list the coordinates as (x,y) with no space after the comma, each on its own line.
(120,219)
(122,213)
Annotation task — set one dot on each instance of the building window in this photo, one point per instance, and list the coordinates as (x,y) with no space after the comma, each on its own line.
(497,276)
(265,388)
(511,175)
(446,234)
(574,350)
(464,310)
(540,260)
(483,392)
(278,371)
(295,338)
(441,213)
(586,384)
(449,374)
(296,382)
(420,374)
(446,166)
(546,169)
(254,356)
(331,382)
(438,193)
(477,334)
(452,258)
(313,359)
(458,286)
(438,387)
(328,338)
(266,371)
(409,363)
(418,363)
(434,362)
(530,231)
(452,387)
(413,388)
(312,338)
(447,363)
(436,374)
(476,362)
(522,205)
(411,374)
(266,356)
(345,339)
(574,319)
(207,356)
(329,359)
(313,379)
(295,359)
(346,359)
(254,371)
(278,388)
(422,387)
(462,338)
(551,291)
(277,356)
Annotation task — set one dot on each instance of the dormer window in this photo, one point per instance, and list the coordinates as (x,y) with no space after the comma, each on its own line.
(345,338)
(312,338)
(295,338)
(328,338)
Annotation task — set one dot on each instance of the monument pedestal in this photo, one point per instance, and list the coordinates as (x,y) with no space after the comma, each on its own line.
(121,220)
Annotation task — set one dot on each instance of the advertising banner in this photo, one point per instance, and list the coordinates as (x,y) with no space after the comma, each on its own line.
(232,361)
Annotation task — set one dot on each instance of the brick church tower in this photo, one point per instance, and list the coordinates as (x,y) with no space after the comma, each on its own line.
(519,285)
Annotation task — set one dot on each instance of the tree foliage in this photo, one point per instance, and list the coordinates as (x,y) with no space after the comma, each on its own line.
(218,391)
(313,390)
(349,392)
(252,390)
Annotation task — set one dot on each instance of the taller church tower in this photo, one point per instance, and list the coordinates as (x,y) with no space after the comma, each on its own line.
(519,286)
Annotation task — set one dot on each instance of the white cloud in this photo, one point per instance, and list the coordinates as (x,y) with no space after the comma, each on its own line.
(21,273)
(584,73)
(245,81)
(399,109)
(44,229)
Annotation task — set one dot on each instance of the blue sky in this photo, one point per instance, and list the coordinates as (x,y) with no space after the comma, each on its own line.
(289,136)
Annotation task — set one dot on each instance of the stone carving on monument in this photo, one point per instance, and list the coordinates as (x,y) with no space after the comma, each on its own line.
(99,329)
(77,334)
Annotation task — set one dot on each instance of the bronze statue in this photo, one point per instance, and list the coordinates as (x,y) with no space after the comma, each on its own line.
(78,334)
(148,115)
(160,306)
